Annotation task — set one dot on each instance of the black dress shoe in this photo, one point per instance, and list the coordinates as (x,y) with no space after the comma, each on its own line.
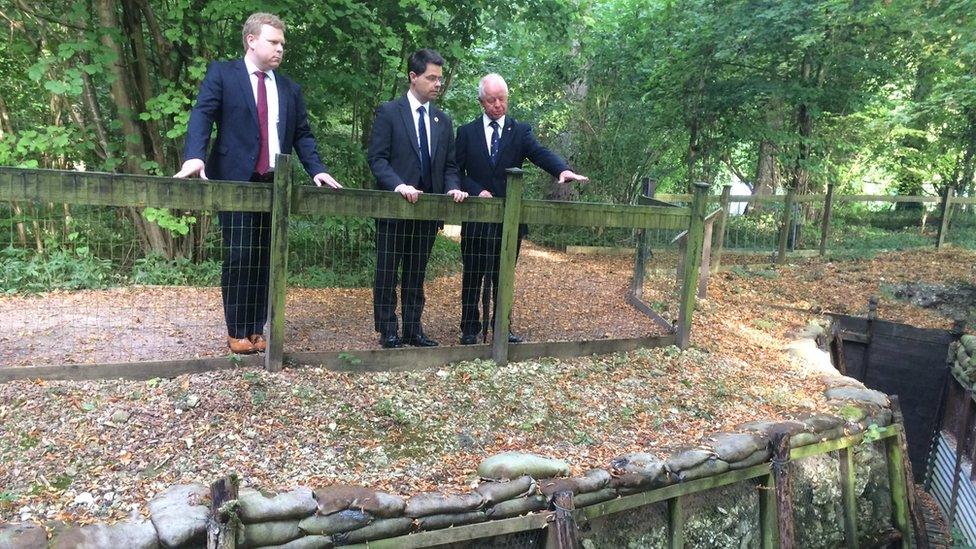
(469,339)
(391,341)
(512,338)
(419,341)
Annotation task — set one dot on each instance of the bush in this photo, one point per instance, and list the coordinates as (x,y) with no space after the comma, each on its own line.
(28,272)
(156,270)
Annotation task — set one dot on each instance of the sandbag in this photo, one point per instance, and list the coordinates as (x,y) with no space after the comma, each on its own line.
(436,522)
(255,507)
(436,503)
(516,507)
(380,529)
(511,465)
(341,497)
(498,491)
(276,532)
(343,521)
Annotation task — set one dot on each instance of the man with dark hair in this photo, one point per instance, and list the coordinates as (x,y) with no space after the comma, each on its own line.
(259,113)
(486,147)
(411,152)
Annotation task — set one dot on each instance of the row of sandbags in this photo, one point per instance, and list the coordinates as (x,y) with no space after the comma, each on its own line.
(513,484)
(962,356)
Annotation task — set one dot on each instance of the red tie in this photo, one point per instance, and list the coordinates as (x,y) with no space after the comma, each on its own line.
(263,164)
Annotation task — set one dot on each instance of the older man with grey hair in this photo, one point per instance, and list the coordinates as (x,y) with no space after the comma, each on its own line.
(485,148)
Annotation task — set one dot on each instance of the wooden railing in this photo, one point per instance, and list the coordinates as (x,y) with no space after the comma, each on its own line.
(284,198)
(772,480)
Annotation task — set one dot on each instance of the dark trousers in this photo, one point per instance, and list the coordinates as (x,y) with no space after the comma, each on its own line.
(480,250)
(400,243)
(244,276)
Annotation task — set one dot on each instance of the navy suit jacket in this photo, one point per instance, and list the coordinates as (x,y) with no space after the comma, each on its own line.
(394,152)
(226,99)
(517,144)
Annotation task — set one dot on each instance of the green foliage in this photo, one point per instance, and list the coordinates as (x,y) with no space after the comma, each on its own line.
(156,270)
(177,225)
(59,270)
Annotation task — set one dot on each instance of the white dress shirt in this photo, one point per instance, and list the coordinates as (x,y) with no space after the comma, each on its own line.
(488,129)
(270,85)
(414,105)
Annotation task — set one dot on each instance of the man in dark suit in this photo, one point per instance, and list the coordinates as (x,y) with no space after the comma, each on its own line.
(411,152)
(259,113)
(486,147)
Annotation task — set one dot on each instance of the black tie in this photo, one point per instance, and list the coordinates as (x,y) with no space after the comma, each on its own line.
(424,151)
(493,150)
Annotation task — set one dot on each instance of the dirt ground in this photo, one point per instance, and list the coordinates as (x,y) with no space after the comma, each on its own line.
(558,297)
(98,450)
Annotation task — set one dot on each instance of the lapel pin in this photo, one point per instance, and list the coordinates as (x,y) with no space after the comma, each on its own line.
(436,119)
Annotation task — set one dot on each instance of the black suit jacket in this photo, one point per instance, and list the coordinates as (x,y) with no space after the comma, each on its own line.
(517,144)
(394,154)
(226,99)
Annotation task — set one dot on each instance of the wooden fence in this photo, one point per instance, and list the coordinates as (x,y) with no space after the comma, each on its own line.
(826,203)
(283,198)
(771,479)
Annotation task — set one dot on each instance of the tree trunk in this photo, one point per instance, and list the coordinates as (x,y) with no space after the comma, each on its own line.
(151,235)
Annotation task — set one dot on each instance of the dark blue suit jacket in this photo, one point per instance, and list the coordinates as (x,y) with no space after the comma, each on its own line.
(517,144)
(226,100)
(394,153)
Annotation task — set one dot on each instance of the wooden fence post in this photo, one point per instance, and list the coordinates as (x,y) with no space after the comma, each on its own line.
(692,262)
(946,213)
(767,512)
(223,523)
(784,491)
(506,266)
(784,231)
(825,224)
(643,252)
(899,490)
(278,278)
(720,228)
(848,496)
(676,523)
(563,533)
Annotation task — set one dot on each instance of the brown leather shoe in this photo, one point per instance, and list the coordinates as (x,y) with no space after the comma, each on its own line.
(241,346)
(260,344)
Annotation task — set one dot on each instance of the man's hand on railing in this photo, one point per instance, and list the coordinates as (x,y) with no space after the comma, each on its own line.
(570,175)
(324,178)
(485,194)
(458,196)
(409,192)
(192,167)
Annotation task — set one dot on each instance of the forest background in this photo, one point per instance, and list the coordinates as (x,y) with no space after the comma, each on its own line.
(875,95)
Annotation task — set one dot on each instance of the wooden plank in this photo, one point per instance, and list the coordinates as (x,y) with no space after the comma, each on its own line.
(506,266)
(836,444)
(661,494)
(848,496)
(706,259)
(278,269)
(581,214)
(125,190)
(458,534)
(825,223)
(784,228)
(374,360)
(918,518)
(676,523)
(720,229)
(563,532)
(946,209)
(783,489)
(130,370)
(692,263)
(899,491)
(222,524)
(385,204)
(655,317)
(769,536)
(885,198)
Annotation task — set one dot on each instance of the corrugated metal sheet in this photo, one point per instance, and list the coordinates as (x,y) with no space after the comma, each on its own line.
(941,488)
